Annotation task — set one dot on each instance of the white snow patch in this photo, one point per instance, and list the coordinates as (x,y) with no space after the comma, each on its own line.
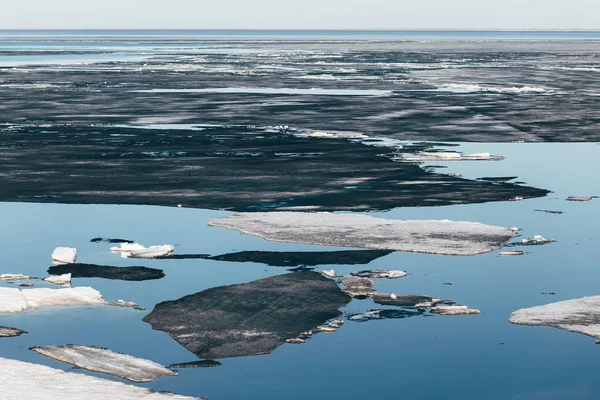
(21,380)
(64,255)
(328,273)
(356,230)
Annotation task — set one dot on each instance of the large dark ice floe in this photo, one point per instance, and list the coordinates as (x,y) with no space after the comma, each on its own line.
(21,380)
(97,359)
(352,230)
(107,272)
(251,318)
(578,315)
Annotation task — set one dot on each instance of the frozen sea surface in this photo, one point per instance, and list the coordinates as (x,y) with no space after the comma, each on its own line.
(485,347)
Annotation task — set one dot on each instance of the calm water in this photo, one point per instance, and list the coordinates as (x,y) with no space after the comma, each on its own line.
(423,357)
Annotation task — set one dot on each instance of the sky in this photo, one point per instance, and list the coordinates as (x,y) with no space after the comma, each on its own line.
(304,14)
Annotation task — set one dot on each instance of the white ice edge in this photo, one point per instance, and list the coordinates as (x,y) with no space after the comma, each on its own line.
(13,300)
(26,381)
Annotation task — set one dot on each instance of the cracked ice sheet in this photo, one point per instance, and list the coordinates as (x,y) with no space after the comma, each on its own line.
(105,361)
(26,381)
(578,315)
(354,230)
(13,300)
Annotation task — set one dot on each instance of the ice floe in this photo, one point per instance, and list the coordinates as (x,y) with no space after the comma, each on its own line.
(64,255)
(13,300)
(14,277)
(107,272)
(61,280)
(403,300)
(454,310)
(511,253)
(105,361)
(380,273)
(580,315)
(535,240)
(580,198)
(328,273)
(197,364)
(136,250)
(355,230)
(6,331)
(448,156)
(251,318)
(21,380)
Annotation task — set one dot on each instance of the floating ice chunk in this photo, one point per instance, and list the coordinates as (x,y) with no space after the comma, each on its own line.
(355,230)
(136,250)
(212,324)
(64,255)
(21,380)
(579,198)
(105,361)
(127,247)
(295,341)
(537,239)
(356,283)
(6,331)
(43,297)
(515,229)
(402,300)
(62,280)
(511,253)
(380,273)
(328,273)
(13,277)
(454,310)
(578,315)
(466,88)
(326,329)
(13,300)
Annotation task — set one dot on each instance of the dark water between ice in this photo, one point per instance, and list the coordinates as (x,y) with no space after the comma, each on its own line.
(422,357)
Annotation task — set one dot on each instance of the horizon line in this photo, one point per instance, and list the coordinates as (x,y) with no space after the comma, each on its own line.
(311,29)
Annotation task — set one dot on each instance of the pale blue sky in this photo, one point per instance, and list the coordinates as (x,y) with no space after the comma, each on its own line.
(305,14)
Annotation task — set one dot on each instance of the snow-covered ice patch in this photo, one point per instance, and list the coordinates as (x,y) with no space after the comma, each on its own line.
(62,280)
(13,300)
(13,277)
(356,230)
(471,88)
(21,380)
(64,255)
(105,361)
(578,315)
(136,250)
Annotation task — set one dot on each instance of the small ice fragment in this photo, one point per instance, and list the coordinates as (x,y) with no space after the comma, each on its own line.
(515,229)
(454,310)
(64,255)
(516,198)
(511,253)
(380,273)
(153,252)
(579,198)
(329,273)
(537,239)
(295,341)
(13,277)
(442,155)
(62,280)
(393,296)
(326,329)
(25,284)
(127,247)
